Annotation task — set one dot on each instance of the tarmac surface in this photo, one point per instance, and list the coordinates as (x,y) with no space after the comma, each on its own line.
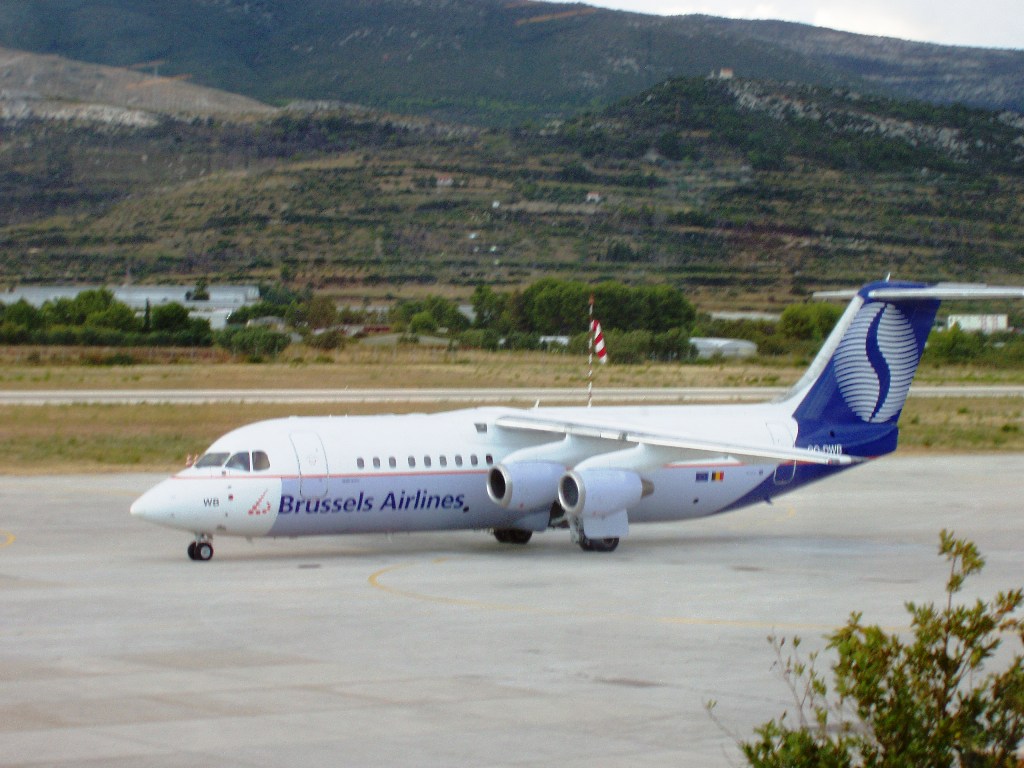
(449,649)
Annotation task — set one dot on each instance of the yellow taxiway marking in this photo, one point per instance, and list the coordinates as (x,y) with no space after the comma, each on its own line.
(6,539)
(376,581)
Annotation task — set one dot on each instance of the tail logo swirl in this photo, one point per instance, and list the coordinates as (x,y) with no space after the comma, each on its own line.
(876,361)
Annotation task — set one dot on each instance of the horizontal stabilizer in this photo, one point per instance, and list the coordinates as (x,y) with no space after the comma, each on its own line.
(937,292)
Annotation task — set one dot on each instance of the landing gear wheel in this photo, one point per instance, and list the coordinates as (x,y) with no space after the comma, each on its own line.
(204,550)
(192,550)
(598,545)
(512,536)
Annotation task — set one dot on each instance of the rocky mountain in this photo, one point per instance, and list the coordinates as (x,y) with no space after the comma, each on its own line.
(485,61)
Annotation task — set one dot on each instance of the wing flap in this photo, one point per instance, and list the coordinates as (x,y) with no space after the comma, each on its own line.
(682,443)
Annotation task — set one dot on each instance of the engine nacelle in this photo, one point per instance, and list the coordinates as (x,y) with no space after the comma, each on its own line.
(599,492)
(525,484)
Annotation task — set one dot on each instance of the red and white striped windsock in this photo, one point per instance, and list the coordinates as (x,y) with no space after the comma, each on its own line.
(598,335)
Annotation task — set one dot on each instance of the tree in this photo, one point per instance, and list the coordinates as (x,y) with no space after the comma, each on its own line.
(487,306)
(75,311)
(430,314)
(422,322)
(116,316)
(955,345)
(808,322)
(926,701)
(23,314)
(317,313)
(255,343)
(171,317)
(201,293)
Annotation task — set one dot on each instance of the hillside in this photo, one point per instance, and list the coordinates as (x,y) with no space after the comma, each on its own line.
(735,187)
(55,88)
(486,61)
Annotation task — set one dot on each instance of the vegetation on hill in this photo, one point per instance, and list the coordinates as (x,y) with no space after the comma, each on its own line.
(776,127)
(758,192)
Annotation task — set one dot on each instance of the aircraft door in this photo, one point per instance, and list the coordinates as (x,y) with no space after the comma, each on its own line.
(309,450)
(785,472)
(782,436)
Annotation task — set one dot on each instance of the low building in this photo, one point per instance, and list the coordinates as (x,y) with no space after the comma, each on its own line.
(222,297)
(979,323)
(731,349)
(554,341)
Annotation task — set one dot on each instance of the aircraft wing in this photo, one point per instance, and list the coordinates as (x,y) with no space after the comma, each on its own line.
(625,434)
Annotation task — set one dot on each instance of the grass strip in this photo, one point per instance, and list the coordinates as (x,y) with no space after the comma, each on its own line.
(114,438)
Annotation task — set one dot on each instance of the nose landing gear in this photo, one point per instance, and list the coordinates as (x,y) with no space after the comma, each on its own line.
(200,549)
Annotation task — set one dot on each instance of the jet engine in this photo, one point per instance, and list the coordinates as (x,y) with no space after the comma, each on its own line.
(600,492)
(525,484)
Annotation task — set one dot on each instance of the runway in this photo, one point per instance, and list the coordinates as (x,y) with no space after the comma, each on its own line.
(448,649)
(454,396)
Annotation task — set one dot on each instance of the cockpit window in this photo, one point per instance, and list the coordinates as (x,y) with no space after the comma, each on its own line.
(241,460)
(212,460)
(238,461)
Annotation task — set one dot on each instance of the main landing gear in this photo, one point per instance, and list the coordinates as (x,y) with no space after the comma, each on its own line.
(512,536)
(587,544)
(200,549)
(597,545)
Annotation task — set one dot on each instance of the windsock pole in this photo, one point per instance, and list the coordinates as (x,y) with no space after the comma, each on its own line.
(590,354)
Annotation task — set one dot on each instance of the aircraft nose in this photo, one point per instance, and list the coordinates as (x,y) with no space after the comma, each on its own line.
(155,505)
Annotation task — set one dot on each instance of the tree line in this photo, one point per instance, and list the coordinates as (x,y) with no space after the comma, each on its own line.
(96,318)
(640,323)
(646,322)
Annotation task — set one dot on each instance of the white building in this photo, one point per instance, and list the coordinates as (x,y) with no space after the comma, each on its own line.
(136,296)
(224,299)
(710,347)
(979,323)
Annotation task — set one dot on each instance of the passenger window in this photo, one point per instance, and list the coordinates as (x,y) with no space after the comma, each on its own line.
(212,460)
(260,461)
(360,463)
(426,461)
(412,461)
(376,462)
(392,462)
(238,461)
(472,460)
(458,459)
(444,461)
(489,459)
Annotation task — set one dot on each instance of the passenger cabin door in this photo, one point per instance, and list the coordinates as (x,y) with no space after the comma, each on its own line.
(309,450)
(782,436)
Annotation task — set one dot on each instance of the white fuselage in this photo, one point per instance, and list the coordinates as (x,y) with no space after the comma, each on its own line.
(336,475)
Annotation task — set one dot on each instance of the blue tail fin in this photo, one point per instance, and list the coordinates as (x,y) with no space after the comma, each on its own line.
(854,391)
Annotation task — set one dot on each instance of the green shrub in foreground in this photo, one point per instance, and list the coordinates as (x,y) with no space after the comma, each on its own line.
(926,700)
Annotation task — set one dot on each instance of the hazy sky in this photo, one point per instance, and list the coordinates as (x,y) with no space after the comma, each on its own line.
(986,23)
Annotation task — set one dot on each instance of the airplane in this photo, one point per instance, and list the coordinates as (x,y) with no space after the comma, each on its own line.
(592,470)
